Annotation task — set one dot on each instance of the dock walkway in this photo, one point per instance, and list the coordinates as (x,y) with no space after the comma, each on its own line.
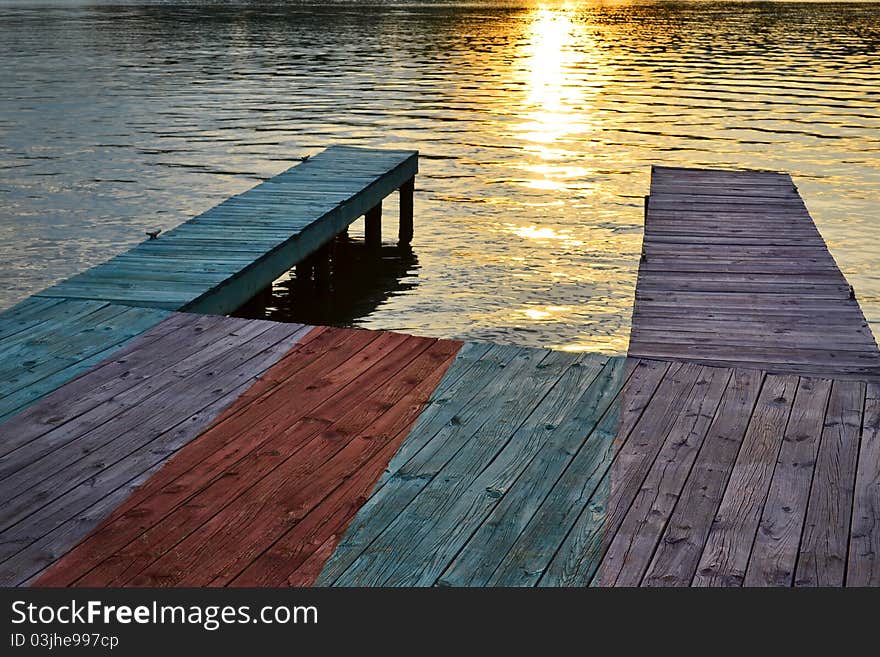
(268,454)
(164,448)
(211,264)
(219,260)
(735,273)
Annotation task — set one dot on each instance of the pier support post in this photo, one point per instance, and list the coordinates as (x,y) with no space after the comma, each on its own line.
(373,226)
(304,271)
(322,265)
(405,234)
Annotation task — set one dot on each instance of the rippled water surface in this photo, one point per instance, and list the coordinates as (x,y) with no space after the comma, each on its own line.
(537,126)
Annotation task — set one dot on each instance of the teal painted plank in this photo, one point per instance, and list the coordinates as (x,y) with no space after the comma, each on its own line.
(468,382)
(250,239)
(464,447)
(71,343)
(29,308)
(78,335)
(533,549)
(484,551)
(15,349)
(461,503)
(677,402)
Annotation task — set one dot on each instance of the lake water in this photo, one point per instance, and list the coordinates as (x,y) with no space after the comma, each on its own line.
(537,125)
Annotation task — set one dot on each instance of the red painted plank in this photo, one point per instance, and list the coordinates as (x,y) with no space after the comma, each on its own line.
(298,557)
(323,421)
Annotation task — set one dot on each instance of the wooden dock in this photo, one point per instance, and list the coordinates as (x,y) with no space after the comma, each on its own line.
(211,264)
(219,260)
(735,273)
(201,450)
(372,458)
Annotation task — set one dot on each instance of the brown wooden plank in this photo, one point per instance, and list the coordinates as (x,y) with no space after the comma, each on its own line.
(678,552)
(863,565)
(823,551)
(631,546)
(775,552)
(732,534)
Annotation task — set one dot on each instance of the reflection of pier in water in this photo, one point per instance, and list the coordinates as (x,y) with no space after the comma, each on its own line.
(351,283)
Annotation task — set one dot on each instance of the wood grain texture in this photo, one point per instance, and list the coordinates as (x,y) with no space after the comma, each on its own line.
(46,343)
(261,497)
(678,552)
(219,260)
(70,463)
(734,273)
(631,541)
(774,554)
(730,539)
(864,548)
(823,550)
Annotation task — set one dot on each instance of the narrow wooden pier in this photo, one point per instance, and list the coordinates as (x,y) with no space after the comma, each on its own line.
(219,260)
(734,272)
(211,264)
(174,448)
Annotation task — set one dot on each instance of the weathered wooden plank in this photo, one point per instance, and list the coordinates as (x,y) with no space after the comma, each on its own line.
(527,559)
(327,352)
(741,248)
(678,552)
(134,449)
(126,445)
(578,558)
(36,460)
(465,384)
(483,552)
(775,551)
(631,539)
(729,543)
(392,409)
(219,546)
(863,564)
(171,341)
(823,550)
(465,511)
(78,336)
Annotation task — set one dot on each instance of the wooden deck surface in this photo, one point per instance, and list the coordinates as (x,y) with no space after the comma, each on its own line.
(735,273)
(739,444)
(631,473)
(69,460)
(263,494)
(44,343)
(372,458)
(219,260)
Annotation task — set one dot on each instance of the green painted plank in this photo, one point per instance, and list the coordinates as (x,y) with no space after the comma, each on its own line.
(463,511)
(464,447)
(534,548)
(484,551)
